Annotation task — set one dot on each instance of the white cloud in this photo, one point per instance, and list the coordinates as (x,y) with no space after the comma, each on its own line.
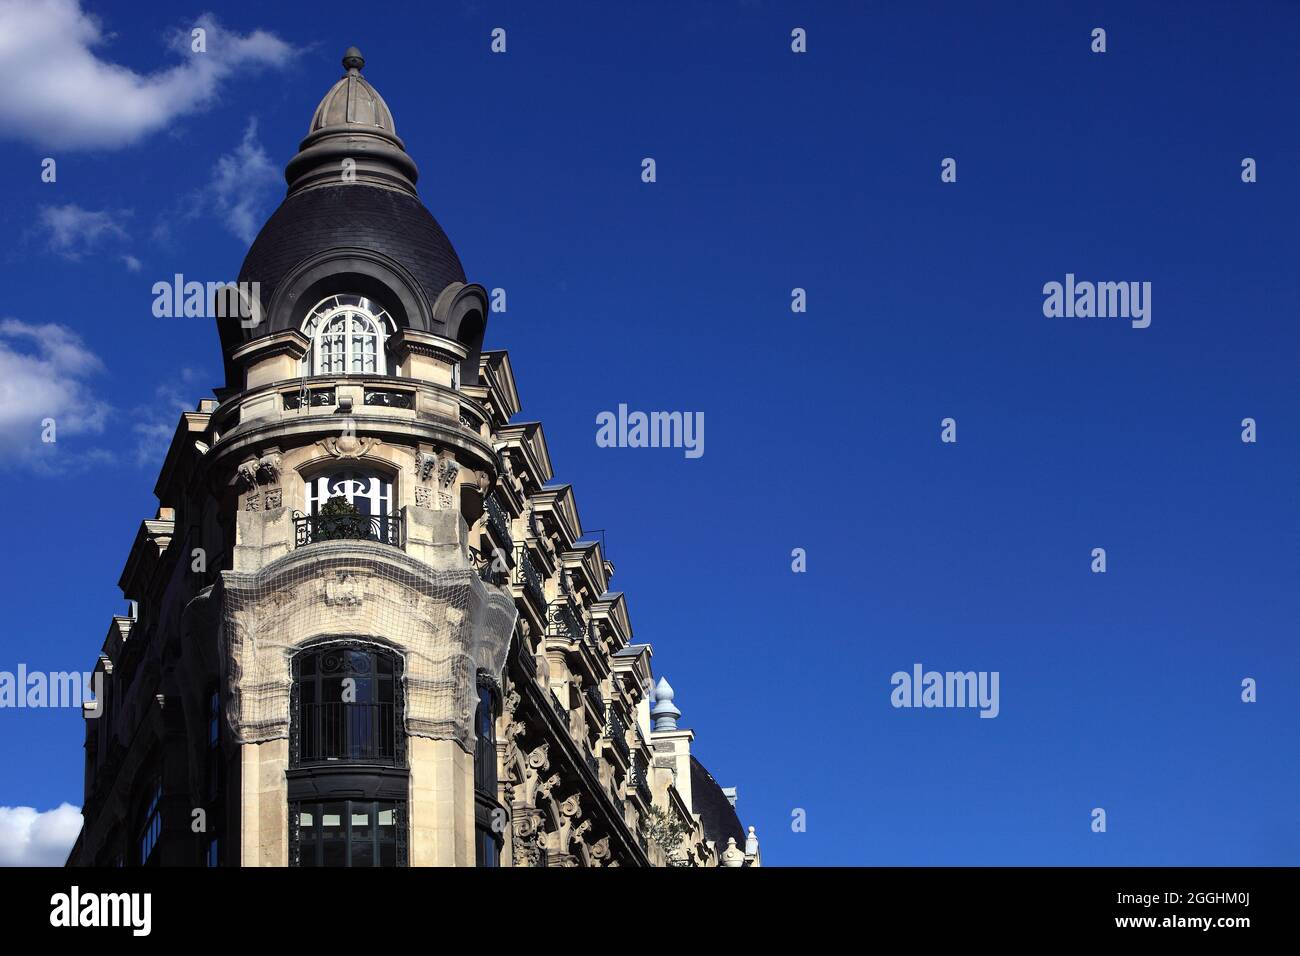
(31,838)
(243,183)
(43,374)
(132,263)
(70,98)
(72,231)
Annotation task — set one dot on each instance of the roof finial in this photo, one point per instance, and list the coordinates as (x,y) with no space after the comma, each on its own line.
(664,713)
(353,61)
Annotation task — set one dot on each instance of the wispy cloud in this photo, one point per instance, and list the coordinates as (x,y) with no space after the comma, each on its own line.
(240,191)
(71,98)
(44,378)
(29,837)
(72,232)
(243,184)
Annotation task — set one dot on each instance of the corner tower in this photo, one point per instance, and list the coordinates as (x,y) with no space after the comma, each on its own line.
(357,640)
(365,628)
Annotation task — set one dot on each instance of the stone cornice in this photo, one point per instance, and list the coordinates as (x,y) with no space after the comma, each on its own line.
(413,341)
(237,444)
(151,540)
(289,342)
(529,438)
(557,500)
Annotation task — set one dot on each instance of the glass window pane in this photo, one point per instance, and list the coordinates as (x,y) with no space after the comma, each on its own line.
(333,835)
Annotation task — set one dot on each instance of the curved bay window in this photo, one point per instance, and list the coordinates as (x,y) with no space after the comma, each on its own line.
(347,748)
(487,811)
(349,833)
(347,707)
(347,334)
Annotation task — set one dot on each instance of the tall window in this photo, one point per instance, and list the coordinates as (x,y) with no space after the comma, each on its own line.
(487,840)
(347,333)
(214,744)
(346,707)
(151,825)
(485,750)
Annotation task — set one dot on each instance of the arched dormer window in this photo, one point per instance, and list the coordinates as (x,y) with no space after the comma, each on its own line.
(347,334)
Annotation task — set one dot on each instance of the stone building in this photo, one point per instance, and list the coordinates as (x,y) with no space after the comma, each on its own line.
(365,628)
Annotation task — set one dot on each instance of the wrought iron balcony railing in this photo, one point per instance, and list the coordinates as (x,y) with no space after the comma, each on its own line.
(641,779)
(595,699)
(526,573)
(560,710)
(498,521)
(348,733)
(386,529)
(617,733)
(488,570)
(563,618)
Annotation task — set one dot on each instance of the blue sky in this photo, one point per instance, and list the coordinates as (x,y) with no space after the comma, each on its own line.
(774,171)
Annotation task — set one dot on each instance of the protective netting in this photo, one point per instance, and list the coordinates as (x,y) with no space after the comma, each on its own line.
(447,625)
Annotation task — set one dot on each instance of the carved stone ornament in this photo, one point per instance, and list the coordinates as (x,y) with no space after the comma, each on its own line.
(248,473)
(424,464)
(274,499)
(268,467)
(343,590)
(538,759)
(348,445)
(572,805)
(527,847)
(423,497)
(448,469)
(551,783)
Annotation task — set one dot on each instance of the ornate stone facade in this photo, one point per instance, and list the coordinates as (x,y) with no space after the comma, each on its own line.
(358,494)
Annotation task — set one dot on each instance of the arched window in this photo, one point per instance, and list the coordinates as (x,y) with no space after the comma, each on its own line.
(370,493)
(348,504)
(347,707)
(347,335)
(347,751)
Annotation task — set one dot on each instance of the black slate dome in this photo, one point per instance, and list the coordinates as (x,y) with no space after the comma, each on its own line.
(717,816)
(392,223)
(352,222)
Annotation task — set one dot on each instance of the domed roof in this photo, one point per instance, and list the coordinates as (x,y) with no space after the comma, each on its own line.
(352,101)
(351,195)
(352,138)
(717,816)
(387,221)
